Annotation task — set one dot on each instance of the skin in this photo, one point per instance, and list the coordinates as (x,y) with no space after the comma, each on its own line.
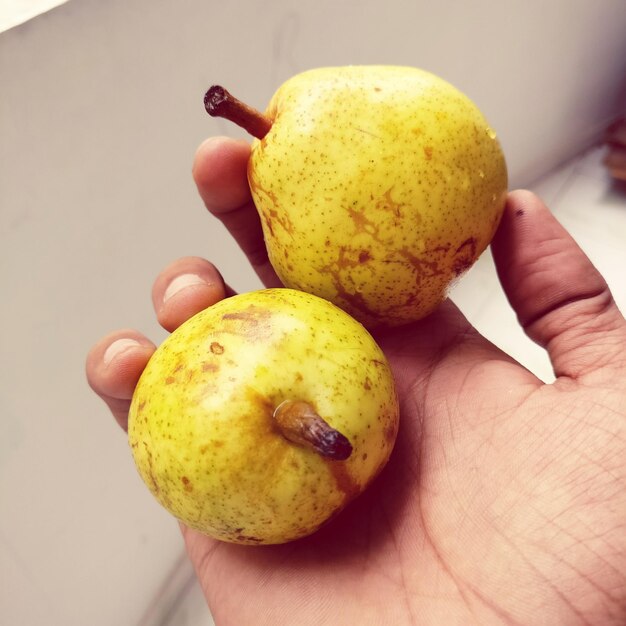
(232,387)
(505,498)
(377,186)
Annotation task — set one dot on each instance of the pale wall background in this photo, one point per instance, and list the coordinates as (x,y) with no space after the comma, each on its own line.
(100,113)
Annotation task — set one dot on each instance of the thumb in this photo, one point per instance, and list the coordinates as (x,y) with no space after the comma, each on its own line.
(561,300)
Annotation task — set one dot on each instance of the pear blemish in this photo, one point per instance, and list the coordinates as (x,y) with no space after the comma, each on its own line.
(216,348)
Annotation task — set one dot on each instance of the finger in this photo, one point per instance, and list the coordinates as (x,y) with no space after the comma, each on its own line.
(114,366)
(184,288)
(220,172)
(560,299)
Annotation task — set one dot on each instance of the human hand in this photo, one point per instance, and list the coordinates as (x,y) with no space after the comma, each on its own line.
(505,498)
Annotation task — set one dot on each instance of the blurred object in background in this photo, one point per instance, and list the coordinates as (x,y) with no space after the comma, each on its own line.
(615,159)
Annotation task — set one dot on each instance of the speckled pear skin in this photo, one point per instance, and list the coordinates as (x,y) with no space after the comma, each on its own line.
(200,424)
(377,187)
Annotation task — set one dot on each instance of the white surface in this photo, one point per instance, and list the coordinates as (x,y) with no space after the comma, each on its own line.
(101,111)
(15,12)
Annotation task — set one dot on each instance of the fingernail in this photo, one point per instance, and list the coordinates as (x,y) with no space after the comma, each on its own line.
(182,282)
(117,347)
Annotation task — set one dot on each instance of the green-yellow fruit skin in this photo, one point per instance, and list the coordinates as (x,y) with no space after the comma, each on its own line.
(377,187)
(201,428)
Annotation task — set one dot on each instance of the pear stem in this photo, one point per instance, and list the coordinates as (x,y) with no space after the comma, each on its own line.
(299,423)
(219,103)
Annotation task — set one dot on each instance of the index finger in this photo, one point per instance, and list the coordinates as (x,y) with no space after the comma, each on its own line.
(220,173)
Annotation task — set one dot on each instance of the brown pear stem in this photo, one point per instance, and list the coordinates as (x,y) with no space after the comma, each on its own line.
(299,423)
(219,103)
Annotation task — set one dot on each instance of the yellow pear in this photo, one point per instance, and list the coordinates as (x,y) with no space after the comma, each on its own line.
(261,417)
(377,186)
